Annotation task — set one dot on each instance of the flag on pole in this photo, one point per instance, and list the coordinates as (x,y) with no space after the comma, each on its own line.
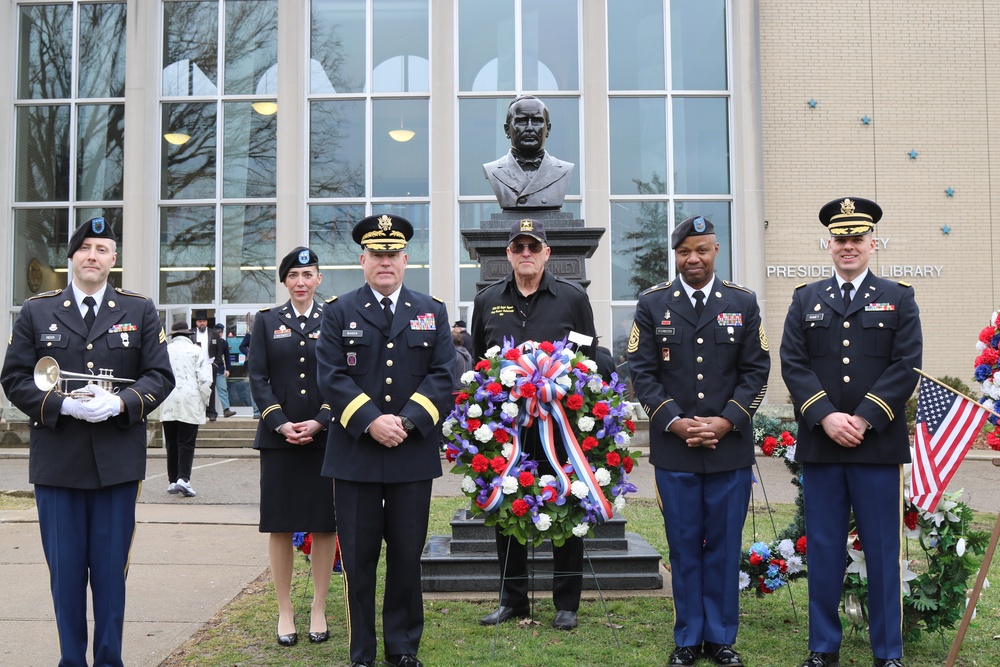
(947,424)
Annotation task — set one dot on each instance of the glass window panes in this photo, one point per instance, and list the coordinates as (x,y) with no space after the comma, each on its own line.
(638,139)
(39,253)
(102,50)
(190,48)
(698,44)
(550,45)
(486,45)
(338,46)
(337,148)
(701,145)
(45,52)
(640,247)
(41,170)
(400,52)
(635,45)
(100,155)
(400,148)
(251,47)
(189,150)
(248,251)
(330,238)
(249,167)
(187,254)
(720,213)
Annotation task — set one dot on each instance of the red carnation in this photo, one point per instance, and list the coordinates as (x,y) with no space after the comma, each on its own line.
(768,445)
(461,397)
(755,559)
(551,491)
(614,459)
(582,367)
(547,347)
(528,390)
(501,436)
(513,354)
(451,455)
(993,441)
(499,464)
(307,544)
(627,463)
(856,544)
(494,388)
(910,519)
(589,443)
(479,463)
(986,335)
(474,424)
(786,439)
(782,566)
(600,410)
(483,365)
(764,588)
(630,425)
(526,478)
(519,507)
(800,545)
(574,402)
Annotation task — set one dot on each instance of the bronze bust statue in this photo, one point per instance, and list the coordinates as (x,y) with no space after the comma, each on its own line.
(527,177)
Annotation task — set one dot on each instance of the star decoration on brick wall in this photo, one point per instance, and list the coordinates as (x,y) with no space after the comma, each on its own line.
(913,154)
(946,230)
(866,120)
(812,104)
(950,191)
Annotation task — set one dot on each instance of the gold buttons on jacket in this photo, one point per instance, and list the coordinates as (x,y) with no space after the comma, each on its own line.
(302,343)
(847,360)
(90,364)
(847,378)
(700,376)
(700,341)
(302,360)
(847,325)
(388,380)
(847,343)
(302,375)
(388,398)
(701,395)
(302,391)
(881,325)
(90,346)
(388,362)
(389,345)
(699,359)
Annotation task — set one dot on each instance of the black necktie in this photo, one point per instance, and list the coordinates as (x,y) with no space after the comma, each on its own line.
(387,308)
(302,321)
(699,302)
(90,315)
(848,288)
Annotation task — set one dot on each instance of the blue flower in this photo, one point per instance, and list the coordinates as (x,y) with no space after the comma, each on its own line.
(983,371)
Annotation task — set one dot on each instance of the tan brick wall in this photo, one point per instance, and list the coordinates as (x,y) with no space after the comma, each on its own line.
(928,75)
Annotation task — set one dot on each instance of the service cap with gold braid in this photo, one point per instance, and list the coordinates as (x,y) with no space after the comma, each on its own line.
(850,216)
(383,233)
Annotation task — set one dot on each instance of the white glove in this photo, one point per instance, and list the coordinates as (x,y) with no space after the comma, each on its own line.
(72,407)
(104,404)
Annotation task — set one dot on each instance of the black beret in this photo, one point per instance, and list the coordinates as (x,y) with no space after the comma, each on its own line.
(95,228)
(527,227)
(301,256)
(383,233)
(696,225)
(850,216)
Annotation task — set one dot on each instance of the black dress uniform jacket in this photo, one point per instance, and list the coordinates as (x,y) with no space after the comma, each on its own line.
(683,365)
(860,362)
(368,368)
(128,338)
(283,374)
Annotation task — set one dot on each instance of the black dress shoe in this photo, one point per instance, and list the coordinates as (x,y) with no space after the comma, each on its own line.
(564,620)
(684,655)
(723,654)
(817,659)
(319,637)
(888,662)
(403,661)
(503,614)
(288,640)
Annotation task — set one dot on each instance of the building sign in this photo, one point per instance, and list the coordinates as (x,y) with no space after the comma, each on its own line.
(820,271)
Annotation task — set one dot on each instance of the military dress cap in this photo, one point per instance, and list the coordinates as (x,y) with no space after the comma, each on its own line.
(850,216)
(459,323)
(297,258)
(200,314)
(180,329)
(219,326)
(527,227)
(383,233)
(95,228)
(696,225)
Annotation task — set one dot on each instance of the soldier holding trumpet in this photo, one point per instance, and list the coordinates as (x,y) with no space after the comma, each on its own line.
(88,453)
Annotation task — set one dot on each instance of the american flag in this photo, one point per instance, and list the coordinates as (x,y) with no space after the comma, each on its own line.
(947,424)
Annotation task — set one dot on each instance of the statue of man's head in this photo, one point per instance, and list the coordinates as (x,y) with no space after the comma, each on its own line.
(527,125)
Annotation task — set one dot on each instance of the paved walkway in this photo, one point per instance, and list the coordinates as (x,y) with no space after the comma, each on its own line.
(192,556)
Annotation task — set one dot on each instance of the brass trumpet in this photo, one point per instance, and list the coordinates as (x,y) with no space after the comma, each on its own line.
(49,376)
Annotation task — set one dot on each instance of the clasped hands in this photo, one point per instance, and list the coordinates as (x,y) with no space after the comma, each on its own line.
(103,405)
(701,431)
(300,433)
(844,429)
(388,430)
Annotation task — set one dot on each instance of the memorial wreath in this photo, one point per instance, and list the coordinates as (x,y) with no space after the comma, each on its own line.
(584,427)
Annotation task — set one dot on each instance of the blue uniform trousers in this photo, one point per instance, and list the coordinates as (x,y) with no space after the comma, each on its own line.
(87,534)
(875,492)
(704,514)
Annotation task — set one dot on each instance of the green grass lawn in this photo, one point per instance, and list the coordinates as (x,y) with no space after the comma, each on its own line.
(771,633)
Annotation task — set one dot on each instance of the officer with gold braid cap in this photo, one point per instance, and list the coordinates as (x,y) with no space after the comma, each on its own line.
(385,367)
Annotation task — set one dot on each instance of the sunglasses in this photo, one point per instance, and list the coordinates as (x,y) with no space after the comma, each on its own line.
(534,246)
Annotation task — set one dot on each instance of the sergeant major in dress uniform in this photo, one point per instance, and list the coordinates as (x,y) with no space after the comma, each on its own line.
(699,362)
(88,457)
(848,351)
(385,365)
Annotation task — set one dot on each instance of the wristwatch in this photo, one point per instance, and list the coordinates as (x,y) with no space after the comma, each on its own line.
(407,424)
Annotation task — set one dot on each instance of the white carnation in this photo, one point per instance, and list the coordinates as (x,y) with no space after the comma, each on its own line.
(591,366)
(468,484)
(447,426)
(603,476)
(620,503)
(585,424)
(507,449)
(786,548)
(794,564)
(623,439)
(545,480)
(493,352)
(595,384)
(629,410)
(509,409)
(579,489)
(475,411)
(467,377)
(484,433)
(980,346)
(564,381)
(508,378)
(509,485)
(544,522)
(581,529)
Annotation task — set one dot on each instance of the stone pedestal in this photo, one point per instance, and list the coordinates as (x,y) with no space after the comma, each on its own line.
(571,241)
(466,560)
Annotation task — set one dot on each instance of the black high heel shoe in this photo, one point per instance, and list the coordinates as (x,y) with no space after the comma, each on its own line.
(319,637)
(288,640)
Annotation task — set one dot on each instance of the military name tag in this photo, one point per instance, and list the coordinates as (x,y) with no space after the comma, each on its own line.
(665,331)
(814,317)
(51,338)
(352,333)
(282,333)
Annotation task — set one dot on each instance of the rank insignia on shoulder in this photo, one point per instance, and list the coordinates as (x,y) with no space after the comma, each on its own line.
(331,299)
